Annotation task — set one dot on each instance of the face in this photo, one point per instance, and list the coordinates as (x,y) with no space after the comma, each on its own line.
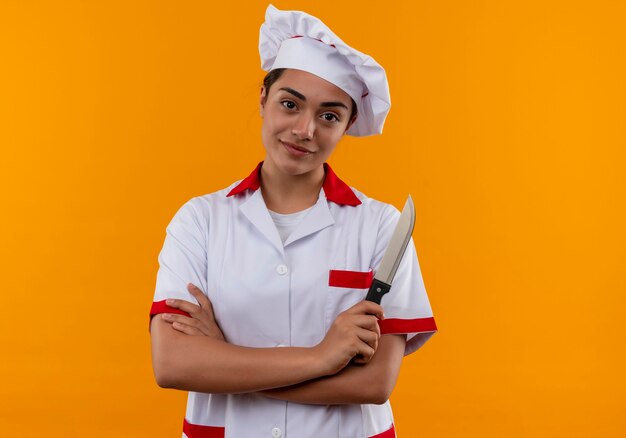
(304,117)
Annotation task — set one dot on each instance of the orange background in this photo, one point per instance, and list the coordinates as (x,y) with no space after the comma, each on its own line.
(507,127)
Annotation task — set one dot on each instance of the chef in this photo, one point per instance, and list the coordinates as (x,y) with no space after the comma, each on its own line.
(259,309)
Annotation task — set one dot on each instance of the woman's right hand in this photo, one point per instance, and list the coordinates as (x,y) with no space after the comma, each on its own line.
(353,335)
(201,320)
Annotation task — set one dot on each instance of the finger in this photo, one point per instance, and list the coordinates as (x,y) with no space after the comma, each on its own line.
(374,309)
(204,301)
(365,353)
(367,308)
(369,337)
(199,322)
(174,317)
(187,329)
(358,359)
(368,322)
(185,306)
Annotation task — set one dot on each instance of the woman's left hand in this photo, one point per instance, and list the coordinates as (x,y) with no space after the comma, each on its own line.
(201,321)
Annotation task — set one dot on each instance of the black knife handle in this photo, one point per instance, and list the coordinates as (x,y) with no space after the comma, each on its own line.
(377,290)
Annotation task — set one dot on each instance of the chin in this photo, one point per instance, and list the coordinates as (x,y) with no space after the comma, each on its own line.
(294,168)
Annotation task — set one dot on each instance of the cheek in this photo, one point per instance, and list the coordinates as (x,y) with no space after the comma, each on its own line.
(272,123)
(268,125)
(332,138)
(265,135)
(271,129)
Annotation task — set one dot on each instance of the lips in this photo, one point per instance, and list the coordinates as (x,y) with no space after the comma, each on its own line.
(295,149)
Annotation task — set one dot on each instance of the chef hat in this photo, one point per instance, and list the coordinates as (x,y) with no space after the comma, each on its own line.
(294,39)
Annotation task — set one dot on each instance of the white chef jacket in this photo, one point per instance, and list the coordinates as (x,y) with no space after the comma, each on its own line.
(269,294)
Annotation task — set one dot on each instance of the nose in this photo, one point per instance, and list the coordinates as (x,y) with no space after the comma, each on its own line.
(304,126)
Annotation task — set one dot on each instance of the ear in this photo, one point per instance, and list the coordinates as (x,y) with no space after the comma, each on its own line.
(262,100)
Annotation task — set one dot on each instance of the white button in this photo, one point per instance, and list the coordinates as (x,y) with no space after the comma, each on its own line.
(281,269)
(276,433)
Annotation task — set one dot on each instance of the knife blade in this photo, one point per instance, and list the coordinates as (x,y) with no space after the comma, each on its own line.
(393,254)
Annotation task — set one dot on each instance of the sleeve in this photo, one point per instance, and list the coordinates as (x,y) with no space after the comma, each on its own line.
(406,305)
(182,260)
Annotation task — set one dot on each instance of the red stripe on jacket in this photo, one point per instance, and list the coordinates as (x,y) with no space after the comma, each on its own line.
(352,279)
(199,431)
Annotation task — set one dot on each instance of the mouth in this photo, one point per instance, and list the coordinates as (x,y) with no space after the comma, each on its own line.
(295,149)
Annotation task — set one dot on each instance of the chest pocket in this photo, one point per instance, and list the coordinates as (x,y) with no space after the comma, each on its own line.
(345,289)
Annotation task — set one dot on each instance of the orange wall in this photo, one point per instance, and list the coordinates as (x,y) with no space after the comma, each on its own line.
(507,127)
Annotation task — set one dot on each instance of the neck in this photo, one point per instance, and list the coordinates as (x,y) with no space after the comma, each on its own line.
(285,193)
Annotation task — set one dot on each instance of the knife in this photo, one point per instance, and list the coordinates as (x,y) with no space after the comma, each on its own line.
(393,254)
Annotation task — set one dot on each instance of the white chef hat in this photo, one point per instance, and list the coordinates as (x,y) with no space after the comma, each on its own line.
(295,39)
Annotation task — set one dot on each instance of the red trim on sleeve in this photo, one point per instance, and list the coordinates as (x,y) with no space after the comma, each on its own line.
(352,279)
(397,325)
(161,307)
(391,433)
(199,431)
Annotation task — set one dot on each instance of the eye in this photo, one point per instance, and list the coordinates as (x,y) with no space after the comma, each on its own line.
(330,117)
(289,104)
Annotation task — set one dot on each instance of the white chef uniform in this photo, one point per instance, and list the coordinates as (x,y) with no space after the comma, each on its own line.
(269,294)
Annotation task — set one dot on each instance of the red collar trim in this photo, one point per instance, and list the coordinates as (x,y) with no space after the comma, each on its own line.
(252,182)
(335,189)
(338,191)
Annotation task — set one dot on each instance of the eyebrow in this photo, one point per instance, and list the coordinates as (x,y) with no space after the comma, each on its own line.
(302,97)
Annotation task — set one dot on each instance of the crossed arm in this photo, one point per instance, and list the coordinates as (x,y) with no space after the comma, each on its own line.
(363,384)
(353,364)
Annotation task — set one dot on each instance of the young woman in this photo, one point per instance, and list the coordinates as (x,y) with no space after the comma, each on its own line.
(281,342)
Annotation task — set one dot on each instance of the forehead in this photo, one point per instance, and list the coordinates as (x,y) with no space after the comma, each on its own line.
(311,86)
